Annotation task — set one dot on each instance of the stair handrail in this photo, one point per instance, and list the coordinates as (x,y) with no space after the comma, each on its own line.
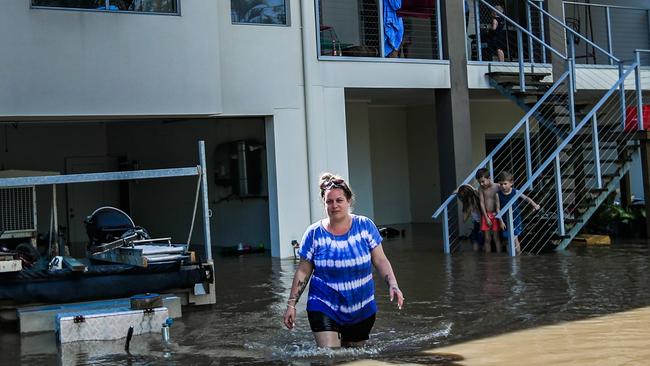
(505,140)
(554,157)
(573,32)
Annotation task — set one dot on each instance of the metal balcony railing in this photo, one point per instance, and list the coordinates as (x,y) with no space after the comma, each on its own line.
(401,29)
(492,38)
(618,29)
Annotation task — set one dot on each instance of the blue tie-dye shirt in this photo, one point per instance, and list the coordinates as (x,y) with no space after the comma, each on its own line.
(341,285)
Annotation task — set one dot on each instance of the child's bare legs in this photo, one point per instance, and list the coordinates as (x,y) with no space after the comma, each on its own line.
(488,240)
(497,240)
(517,245)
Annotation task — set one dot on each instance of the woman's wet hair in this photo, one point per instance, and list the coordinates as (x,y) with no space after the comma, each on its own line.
(468,196)
(331,181)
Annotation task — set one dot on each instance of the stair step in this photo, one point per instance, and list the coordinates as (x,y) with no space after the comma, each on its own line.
(574,176)
(558,103)
(559,237)
(590,190)
(528,75)
(514,84)
(528,93)
(573,220)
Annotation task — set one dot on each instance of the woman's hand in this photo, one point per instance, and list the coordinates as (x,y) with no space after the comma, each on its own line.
(396,292)
(290,317)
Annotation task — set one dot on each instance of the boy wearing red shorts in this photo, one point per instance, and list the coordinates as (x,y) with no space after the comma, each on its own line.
(489,200)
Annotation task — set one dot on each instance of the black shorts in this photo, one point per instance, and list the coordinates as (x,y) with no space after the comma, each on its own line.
(358,332)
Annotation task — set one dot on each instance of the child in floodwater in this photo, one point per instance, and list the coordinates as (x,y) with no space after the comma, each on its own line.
(489,202)
(506,193)
(468,196)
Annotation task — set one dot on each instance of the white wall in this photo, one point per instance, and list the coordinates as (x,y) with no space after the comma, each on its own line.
(390,165)
(67,63)
(289,204)
(423,163)
(360,157)
(491,117)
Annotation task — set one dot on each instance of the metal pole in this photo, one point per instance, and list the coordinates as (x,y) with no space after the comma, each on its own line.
(572,50)
(511,232)
(206,209)
(520,51)
(596,146)
(639,91)
(558,193)
(571,91)
(477,25)
(543,33)
(622,93)
(529,18)
(610,46)
(61,243)
(439,28)
(529,162)
(380,5)
(445,231)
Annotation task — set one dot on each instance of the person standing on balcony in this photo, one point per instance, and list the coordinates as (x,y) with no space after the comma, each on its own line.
(338,253)
(497,34)
(393,28)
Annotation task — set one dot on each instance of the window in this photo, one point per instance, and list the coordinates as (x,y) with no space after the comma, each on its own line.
(258,12)
(137,6)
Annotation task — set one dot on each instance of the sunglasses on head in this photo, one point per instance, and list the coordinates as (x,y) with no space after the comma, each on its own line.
(334,183)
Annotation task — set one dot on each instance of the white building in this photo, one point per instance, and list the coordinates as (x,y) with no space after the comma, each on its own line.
(88,89)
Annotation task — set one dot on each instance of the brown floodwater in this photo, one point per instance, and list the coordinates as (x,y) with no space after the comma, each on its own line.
(452,302)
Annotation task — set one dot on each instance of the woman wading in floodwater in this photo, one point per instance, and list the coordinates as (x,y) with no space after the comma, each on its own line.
(339,252)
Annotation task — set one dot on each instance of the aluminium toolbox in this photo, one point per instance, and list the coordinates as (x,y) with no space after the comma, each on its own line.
(108,324)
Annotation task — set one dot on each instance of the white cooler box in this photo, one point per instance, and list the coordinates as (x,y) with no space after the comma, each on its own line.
(101,325)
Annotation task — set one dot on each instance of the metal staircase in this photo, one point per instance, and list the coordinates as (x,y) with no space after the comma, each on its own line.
(568,156)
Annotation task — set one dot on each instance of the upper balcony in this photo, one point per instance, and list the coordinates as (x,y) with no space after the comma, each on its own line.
(394,30)
(600,35)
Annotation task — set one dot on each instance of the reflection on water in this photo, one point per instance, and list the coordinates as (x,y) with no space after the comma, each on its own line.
(449,300)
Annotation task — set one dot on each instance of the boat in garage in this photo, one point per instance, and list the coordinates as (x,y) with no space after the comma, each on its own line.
(121,258)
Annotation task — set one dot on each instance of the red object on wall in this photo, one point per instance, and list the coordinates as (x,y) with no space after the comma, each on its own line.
(417,9)
(631,120)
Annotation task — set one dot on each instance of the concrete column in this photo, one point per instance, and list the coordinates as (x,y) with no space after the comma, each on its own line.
(326,140)
(287,167)
(452,105)
(556,37)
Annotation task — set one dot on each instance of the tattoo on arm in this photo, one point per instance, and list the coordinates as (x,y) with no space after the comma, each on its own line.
(301,288)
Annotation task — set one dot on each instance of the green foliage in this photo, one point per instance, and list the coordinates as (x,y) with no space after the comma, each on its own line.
(612,218)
